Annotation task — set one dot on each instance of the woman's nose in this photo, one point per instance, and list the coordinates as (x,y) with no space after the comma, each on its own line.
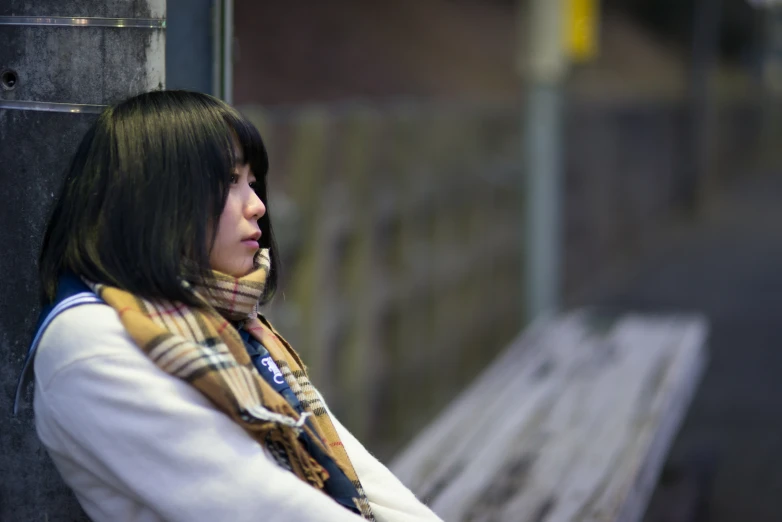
(255,208)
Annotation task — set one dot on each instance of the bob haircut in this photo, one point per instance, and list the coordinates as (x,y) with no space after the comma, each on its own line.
(140,204)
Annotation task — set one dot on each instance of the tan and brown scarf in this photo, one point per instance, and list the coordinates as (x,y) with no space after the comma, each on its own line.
(202,347)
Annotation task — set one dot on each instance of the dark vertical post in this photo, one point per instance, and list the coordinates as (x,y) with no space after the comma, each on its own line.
(702,114)
(223,50)
(770,76)
(60,62)
(189,45)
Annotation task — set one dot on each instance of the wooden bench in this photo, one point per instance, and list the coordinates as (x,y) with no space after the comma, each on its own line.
(572,423)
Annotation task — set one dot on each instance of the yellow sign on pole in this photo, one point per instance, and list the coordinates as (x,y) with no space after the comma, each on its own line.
(582,28)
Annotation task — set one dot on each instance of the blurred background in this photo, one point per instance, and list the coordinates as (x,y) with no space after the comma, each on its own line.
(402,170)
(444,171)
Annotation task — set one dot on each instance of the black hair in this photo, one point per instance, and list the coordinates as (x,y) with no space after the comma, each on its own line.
(140,204)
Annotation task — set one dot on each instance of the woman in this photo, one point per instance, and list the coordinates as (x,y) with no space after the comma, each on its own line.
(161,393)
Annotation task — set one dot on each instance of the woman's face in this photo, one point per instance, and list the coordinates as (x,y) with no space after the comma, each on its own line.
(238,232)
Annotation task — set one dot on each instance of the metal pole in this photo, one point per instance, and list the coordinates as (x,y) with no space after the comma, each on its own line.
(60,63)
(222,49)
(543,163)
(228,51)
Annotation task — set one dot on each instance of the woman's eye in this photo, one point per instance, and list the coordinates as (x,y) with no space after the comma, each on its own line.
(234,179)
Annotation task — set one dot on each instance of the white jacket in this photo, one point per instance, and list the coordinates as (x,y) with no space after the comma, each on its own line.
(136,444)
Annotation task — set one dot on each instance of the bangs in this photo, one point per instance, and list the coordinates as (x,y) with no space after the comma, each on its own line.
(250,142)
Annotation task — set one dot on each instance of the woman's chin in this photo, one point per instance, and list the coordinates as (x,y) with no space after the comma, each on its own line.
(247,269)
(237,269)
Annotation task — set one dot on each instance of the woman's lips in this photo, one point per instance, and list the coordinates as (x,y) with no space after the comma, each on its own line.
(251,243)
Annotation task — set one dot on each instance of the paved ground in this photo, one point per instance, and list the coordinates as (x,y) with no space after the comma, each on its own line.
(729,266)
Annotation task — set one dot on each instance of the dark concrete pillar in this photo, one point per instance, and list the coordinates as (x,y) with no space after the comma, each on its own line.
(55,71)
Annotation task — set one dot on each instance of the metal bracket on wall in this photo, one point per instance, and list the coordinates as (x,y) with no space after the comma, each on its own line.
(66,21)
(75,108)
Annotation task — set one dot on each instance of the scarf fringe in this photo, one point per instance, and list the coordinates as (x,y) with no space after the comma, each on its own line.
(285,434)
(302,463)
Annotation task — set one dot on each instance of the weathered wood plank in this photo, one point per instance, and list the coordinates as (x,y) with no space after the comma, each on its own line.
(572,423)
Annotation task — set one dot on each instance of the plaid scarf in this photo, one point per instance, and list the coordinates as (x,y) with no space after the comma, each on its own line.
(203,348)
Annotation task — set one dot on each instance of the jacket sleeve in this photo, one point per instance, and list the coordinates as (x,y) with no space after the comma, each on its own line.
(156,439)
(391,501)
